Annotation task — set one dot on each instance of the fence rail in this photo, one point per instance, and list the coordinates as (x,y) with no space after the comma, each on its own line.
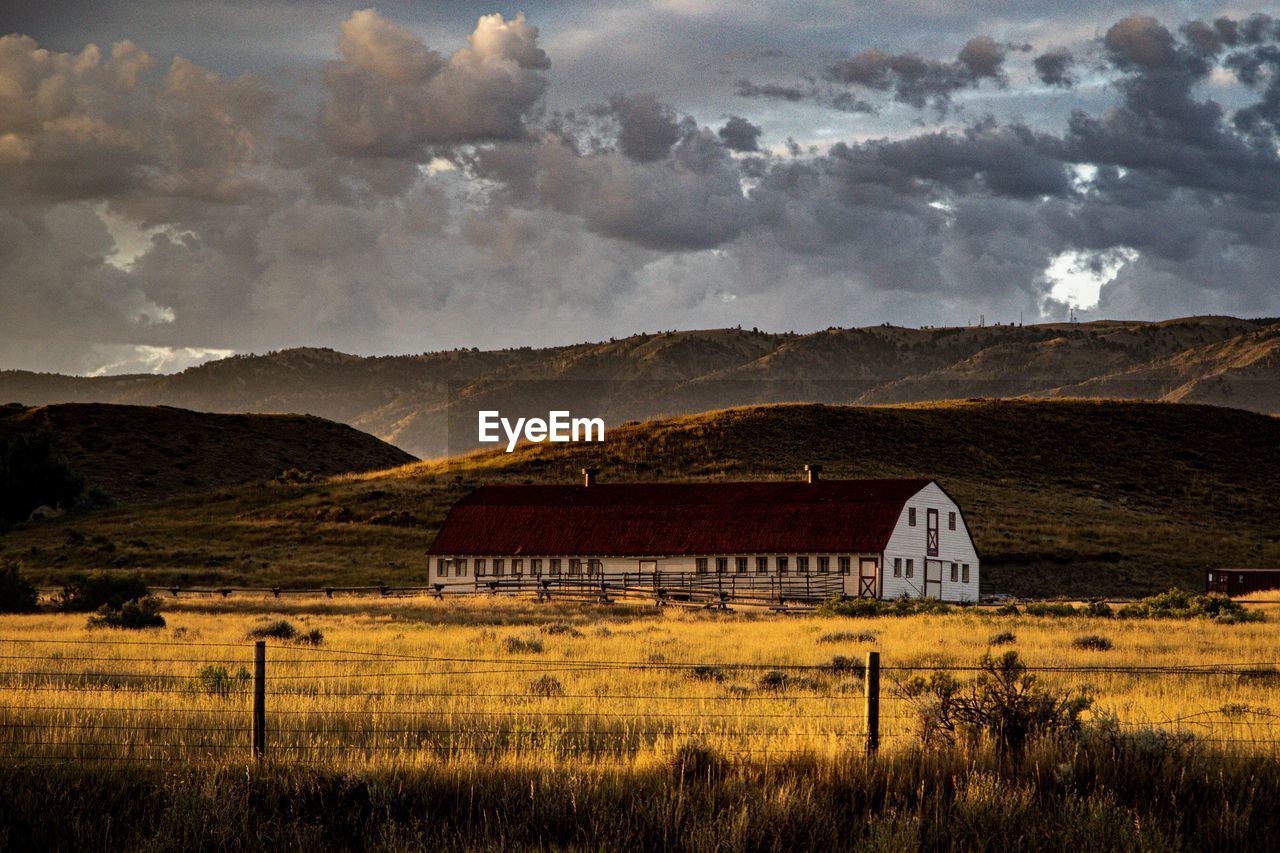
(119,701)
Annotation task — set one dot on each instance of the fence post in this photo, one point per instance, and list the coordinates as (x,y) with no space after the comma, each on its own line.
(872,684)
(259,700)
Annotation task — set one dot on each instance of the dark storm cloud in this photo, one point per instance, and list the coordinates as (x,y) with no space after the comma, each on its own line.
(1054,67)
(739,134)
(417,196)
(918,81)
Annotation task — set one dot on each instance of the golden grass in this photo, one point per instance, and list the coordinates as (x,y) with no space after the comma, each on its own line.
(421,682)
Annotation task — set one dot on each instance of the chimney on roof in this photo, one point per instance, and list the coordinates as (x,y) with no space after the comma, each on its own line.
(589,476)
(813,473)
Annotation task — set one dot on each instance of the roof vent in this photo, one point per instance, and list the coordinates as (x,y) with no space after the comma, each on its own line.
(813,473)
(589,476)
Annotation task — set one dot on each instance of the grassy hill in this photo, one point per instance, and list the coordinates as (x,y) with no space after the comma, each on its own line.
(1064,496)
(426,403)
(148,453)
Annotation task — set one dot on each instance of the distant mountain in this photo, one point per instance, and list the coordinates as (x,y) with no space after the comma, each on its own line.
(141,453)
(426,403)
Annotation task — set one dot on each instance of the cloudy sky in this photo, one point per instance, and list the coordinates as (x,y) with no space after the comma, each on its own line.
(184,179)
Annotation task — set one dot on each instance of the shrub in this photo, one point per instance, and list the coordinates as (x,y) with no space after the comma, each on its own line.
(1092,642)
(133,615)
(1008,610)
(1005,704)
(1050,608)
(846,666)
(774,679)
(1003,638)
(706,672)
(1177,604)
(694,759)
(281,629)
(518,645)
(560,628)
(1099,609)
(216,680)
(93,591)
(314,637)
(547,686)
(17,594)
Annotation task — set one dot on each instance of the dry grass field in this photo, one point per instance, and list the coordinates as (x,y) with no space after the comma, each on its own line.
(506,723)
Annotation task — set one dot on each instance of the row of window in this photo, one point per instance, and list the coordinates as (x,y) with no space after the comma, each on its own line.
(959,571)
(515,567)
(781,564)
(911,518)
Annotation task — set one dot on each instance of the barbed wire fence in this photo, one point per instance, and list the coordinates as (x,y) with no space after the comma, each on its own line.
(231,703)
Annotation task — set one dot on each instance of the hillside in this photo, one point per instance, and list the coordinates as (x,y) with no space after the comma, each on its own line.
(426,403)
(147,453)
(1064,496)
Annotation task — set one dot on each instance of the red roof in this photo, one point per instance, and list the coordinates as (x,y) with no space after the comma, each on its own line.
(676,519)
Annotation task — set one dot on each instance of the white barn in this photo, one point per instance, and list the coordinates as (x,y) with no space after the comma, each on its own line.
(859,538)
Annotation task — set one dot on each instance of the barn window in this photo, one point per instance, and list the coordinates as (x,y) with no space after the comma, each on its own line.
(782,565)
(700,565)
(594,567)
(442,568)
(762,565)
(740,565)
(575,567)
(498,566)
(535,567)
(460,567)
(951,521)
(555,566)
(517,567)
(824,565)
(802,565)
(955,572)
(722,565)
(480,568)
(911,567)
(843,562)
(911,516)
(897,567)
(964,572)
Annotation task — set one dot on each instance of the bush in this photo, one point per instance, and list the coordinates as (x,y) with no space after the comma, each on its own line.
(281,629)
(1004,704)
(842,665)
(17,594)
(1003,638)
(1008,610)
(697,760)
(560,628)
(314,637)
(96,590)
(705,672)
(848,637)
(216,680)
(518,645)
(1093,643)
(132,615)
(1177,604)
(1099,609)
(547,687)
(1049,608)
(774,679)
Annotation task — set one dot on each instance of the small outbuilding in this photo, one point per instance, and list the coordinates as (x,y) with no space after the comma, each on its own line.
(884,538)
(1241,581)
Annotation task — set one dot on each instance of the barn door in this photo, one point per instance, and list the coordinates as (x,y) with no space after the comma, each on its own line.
(931,532)
(933,579)
(866,578)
